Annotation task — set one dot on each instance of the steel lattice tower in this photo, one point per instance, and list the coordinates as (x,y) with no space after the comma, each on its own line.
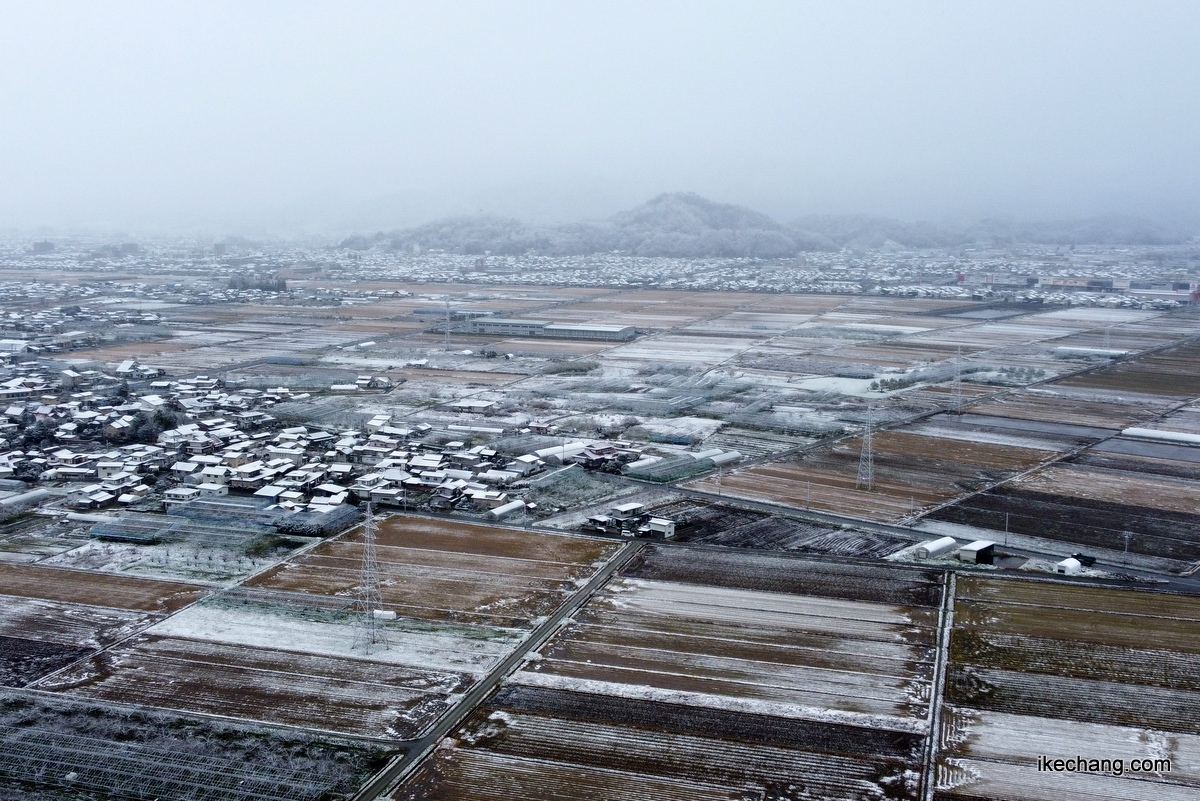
(367,599)
(866,460)
(956,395)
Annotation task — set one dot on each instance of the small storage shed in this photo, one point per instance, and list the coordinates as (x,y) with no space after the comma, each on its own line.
(979,552)
(935,548)
(1069,566)
(510,508)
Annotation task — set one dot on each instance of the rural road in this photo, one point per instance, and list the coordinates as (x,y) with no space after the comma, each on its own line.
(405,764)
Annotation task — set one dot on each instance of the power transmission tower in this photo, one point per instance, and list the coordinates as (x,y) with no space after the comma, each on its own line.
(367,631)
(956,395)
(866,459)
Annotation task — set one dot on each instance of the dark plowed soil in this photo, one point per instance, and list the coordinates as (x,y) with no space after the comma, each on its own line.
(1091,523)
(711,524)
(1157,466)
(1169,372)
(735,726)
(23,661)
(879,584)
(67,750)
(1084,700)
(1078,660)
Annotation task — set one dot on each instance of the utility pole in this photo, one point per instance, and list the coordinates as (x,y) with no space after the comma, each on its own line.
(866,459)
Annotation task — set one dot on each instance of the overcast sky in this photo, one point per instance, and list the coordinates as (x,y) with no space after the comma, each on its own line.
(343,116)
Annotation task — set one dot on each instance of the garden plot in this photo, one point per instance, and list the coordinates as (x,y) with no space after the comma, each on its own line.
(998,430)
(1183,421)
(283,649)
(655,309)
(1122,338)
(154,350)
(679,430)
(901,354)
(911,471)
(442,570)
(1062,671)
(466,378)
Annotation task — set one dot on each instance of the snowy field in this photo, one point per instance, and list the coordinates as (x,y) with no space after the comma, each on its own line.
(769,652)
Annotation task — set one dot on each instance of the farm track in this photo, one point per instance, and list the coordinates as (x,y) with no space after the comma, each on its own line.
(403,766)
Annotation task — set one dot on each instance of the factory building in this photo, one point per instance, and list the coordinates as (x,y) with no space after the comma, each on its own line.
(497,326)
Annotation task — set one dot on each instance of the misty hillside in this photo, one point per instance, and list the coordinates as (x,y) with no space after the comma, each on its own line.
(686,225)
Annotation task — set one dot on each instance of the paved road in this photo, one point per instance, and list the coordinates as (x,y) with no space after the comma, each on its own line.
(403,766)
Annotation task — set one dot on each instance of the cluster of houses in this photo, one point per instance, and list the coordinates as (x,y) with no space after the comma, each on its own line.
(631,520)
(212,441)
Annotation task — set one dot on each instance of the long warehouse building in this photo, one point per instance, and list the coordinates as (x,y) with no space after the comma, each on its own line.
(497,326)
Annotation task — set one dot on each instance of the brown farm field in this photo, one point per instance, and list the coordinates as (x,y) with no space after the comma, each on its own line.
(103,589)
(1062,670)
(445,570)
(911,472)
(352,696)
(283,647)
(697,677)
(1076,408)
(1170,372)
(1116,486)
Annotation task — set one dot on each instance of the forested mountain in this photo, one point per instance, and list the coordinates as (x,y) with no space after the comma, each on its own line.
(688,226)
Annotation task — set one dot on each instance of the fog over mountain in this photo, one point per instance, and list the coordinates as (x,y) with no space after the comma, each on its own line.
(285,119)
(687,225)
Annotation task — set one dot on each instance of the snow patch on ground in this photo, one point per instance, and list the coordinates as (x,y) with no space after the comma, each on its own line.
(698,427)
(745,705)
(443,650)
(843,386)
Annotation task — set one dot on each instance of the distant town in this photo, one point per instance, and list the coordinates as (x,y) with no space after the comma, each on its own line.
(382,519)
